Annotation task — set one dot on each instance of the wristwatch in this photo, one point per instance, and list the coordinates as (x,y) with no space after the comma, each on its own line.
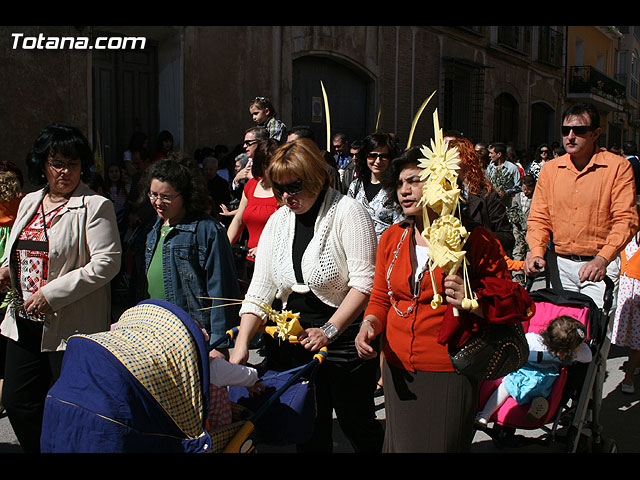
(330,331)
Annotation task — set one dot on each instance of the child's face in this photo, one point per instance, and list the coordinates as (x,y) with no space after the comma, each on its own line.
(259,115)
(527,190)
(114,173)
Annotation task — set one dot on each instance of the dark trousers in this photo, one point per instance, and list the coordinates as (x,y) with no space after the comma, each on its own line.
(28,375)
(350,392)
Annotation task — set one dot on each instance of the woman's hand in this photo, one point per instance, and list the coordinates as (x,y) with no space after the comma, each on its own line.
(454,290)
(225,212)
(239,355)
(313,339)
(37,304)
(363,341)
(5,279)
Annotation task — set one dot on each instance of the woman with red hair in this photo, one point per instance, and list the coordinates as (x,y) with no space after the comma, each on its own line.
(481,201)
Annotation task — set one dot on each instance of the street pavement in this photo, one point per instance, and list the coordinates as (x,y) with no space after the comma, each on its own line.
(620,420)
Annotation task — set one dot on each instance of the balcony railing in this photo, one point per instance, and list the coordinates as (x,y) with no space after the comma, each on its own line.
(592,81)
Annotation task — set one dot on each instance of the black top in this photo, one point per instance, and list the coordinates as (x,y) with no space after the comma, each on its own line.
(314,313)
(371,189)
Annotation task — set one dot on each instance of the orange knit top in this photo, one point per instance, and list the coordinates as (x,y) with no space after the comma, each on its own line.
(411,340)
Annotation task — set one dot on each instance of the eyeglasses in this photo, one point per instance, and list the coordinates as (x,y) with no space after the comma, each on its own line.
(292,188)
(166,199)
(544,151)
(58,165)
(577,129)
(248,143)
(381,156)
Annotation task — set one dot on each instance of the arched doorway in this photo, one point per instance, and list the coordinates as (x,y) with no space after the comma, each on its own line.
(505,120)
(349,93)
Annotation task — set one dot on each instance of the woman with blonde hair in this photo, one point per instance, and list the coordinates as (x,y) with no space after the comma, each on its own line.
(316,257)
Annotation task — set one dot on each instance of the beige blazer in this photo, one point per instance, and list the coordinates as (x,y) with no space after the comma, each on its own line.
(84,256)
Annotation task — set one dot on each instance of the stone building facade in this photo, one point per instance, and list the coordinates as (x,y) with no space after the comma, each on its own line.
(491,83)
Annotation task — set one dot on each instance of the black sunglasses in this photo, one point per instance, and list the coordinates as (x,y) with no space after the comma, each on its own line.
(382,156)
(577,130)
(292,188)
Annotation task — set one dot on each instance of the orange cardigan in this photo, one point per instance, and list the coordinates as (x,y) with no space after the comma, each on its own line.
(411,342)
(630,267)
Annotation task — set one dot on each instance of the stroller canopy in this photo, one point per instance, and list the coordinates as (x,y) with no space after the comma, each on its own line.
(140,387)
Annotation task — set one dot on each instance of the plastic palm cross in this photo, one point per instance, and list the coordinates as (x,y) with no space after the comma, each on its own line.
(287,323)
(446,236)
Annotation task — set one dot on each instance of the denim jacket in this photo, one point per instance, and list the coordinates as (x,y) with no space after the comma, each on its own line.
(198,262)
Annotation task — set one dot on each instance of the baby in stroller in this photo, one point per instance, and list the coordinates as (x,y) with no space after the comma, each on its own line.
(223,374)
(561,343)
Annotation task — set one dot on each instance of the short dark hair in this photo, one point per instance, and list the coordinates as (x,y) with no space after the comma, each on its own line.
(65,140)
(341,136)
(259,133)
(452,133)
(529,180)
(187,181)
(409,157)
(303,131)
(499,147)
(580,109)
(629,148)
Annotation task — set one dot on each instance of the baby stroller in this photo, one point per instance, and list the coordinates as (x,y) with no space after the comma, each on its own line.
(142,387)
(576,396)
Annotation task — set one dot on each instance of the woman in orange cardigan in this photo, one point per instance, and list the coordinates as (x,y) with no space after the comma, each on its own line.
(429,407)
(626,323)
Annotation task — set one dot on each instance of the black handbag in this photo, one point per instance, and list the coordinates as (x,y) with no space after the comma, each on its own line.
(492,352)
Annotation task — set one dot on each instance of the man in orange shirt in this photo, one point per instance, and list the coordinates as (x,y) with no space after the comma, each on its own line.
(583,208)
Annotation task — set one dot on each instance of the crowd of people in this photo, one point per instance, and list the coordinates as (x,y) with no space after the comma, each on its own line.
(335,236)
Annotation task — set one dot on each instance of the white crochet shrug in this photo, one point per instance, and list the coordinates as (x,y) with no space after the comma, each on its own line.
(341,255)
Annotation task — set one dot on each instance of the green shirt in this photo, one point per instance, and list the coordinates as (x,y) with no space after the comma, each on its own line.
(155,280)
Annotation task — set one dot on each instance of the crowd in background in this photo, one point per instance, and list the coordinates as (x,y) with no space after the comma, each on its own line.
(344,206)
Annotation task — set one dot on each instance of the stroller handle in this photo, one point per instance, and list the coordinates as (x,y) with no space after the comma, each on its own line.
(270,330)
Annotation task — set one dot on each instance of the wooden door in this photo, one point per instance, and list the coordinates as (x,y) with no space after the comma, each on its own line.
(348,93)
(125,99)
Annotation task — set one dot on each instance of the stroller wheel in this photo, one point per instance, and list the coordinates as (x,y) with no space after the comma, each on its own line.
(606,445)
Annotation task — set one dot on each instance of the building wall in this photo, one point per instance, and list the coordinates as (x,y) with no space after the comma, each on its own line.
(40,87)
(226,67)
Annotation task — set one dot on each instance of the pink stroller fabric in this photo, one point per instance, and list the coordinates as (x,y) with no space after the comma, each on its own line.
(510,413)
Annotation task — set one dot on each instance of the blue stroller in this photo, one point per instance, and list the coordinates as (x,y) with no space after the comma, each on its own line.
(143,387)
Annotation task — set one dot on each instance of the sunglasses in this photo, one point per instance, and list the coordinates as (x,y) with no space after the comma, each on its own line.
(381,156)
(577,130)
(292,188)
(248,143)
